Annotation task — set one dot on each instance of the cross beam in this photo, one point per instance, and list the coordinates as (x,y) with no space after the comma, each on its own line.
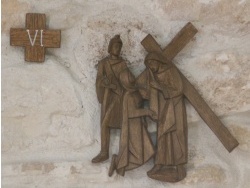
(35,37)
(189,91)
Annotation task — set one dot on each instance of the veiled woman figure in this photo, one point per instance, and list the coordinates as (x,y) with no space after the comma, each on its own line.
(136,146)
(165,93)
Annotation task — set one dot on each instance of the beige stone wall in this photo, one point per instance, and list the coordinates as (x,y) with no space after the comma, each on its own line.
(50,114)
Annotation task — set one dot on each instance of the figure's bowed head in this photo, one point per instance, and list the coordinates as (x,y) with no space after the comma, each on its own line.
(156,62)
(153,65)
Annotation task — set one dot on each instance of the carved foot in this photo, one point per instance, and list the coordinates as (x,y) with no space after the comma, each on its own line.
(154,169)
(112,165)
(181,172)
(173,174)
(102,156)
(121,171)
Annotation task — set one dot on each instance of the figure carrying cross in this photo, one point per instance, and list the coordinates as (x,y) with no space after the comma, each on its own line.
(166,87)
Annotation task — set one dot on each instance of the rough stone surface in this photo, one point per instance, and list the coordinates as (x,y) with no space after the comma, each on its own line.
(50,114)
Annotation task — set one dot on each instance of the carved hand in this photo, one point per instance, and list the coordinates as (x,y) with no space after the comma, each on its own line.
(106,83)
(153,115)
(155,85)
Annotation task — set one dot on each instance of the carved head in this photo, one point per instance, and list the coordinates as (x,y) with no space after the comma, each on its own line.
(115,45)
(154,61)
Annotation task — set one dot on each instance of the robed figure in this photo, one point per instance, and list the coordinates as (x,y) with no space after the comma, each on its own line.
(136,146)
(165,93)
(110,94)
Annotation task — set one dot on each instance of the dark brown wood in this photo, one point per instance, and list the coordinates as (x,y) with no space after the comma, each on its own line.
(209,117)
(121,97)
(36,32)
(160,78)
(51,38)
(175,46)
(35,21)
(180,41)
(199,103)
(136,146)
(165,89)
(150,44)
(121,108)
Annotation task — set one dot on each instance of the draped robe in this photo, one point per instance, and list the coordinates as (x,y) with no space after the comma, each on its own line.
(110,98)
(136,146)
(164,90)
(172,122)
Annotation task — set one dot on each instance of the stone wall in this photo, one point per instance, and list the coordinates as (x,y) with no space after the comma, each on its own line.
(50,113)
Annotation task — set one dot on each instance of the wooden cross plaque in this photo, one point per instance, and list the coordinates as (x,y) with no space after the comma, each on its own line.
(35,37)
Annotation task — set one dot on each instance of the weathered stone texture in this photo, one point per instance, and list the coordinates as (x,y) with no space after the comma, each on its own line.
(50,113)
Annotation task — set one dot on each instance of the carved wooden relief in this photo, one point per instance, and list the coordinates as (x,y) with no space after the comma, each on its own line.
(122,97)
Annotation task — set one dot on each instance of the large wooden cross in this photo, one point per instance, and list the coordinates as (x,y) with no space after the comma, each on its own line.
(205,112)
(35,37)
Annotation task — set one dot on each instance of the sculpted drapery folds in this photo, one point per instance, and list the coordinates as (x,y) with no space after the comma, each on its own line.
(135,143)
(166,99)
(110,94)
(121,107)
(121,97)
(165,93)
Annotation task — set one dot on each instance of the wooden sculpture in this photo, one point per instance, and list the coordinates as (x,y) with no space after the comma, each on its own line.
(166,99)
(166,88)
(110,94)
(135,143)
(35,37)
